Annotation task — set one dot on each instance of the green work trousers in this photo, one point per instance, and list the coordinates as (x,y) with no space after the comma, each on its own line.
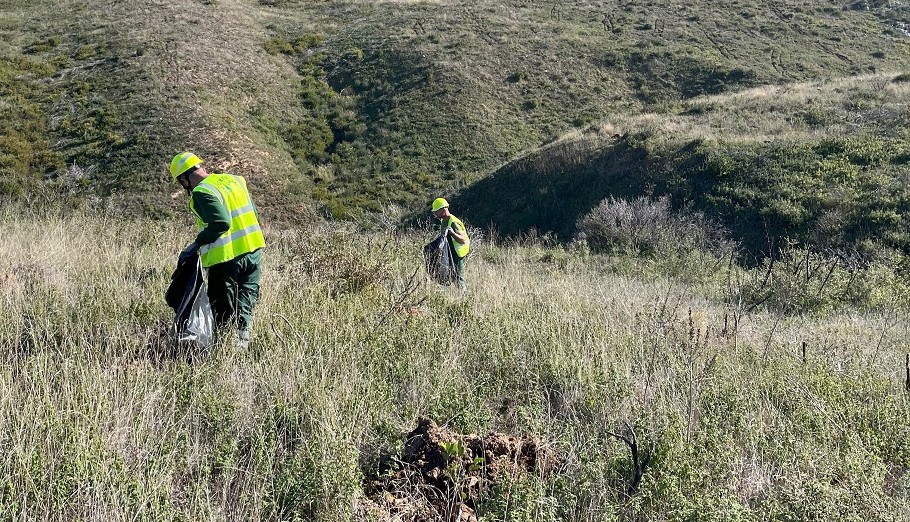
(234,289)
(459,271)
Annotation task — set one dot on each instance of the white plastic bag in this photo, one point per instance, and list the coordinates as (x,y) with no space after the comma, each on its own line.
(200,326)
(193,323)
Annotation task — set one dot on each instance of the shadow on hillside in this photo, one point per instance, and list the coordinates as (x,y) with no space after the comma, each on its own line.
(551,189)
(548,192)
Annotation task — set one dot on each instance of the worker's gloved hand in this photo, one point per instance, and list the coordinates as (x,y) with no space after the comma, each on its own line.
(191,250)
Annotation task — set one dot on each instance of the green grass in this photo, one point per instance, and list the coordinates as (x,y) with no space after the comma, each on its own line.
(342,109)
(784,122)
(559,344)
(25,155)
(446,93)
(821,163)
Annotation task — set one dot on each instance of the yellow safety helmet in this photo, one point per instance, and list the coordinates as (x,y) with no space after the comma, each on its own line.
(439,203)
(183,162)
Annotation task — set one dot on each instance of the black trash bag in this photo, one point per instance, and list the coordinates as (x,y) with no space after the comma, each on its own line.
(440,264)
(187,295)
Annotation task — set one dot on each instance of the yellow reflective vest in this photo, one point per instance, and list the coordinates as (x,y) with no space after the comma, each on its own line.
(460,249)
(245,234)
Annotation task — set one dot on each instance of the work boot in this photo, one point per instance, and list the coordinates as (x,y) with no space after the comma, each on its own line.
(243,339)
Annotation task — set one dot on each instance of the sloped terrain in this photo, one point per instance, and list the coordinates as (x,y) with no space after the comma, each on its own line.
(339,107)
(452,89)
(822,163)
(123,86)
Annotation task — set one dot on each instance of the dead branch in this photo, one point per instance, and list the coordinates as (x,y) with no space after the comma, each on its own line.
(639,463)
(907,368)
(764,284)
(397,302)
(827,278)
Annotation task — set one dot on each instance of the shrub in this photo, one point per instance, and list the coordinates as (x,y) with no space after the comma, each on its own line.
(307,41)
(340,264)
(354,54)
(278,46)
(647,227)
(801,280)
(517,77)
(310,138)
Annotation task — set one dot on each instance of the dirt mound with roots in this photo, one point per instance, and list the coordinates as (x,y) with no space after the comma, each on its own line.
(442,475)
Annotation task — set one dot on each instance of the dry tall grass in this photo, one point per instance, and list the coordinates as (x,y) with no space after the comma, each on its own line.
(790,113)
(99,422)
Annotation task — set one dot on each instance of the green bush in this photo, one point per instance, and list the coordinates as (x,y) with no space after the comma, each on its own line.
(310,139)
(802,281)
(278,46)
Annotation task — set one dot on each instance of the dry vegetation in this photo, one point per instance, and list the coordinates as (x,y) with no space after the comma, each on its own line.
(101,422)
(774,391)
(845,107)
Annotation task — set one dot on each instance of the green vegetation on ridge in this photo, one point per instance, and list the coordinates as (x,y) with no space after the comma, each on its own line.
(823,164)
(453,90)
(353,106)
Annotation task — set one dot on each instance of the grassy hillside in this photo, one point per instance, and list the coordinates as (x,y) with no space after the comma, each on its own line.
(821,163)
(447,91)
(651,134)
(101,422)
(354,106)
(114,90)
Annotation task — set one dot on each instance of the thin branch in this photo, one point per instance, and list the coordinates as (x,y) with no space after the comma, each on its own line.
(639,464)
(288,322)
(410,287)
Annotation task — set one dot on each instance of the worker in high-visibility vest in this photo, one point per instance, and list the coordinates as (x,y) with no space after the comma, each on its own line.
(456,235)
(229,241)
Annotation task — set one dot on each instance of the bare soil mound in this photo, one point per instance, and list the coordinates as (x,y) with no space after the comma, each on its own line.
(442,475)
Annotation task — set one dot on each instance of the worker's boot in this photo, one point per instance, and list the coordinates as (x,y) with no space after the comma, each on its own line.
(243,339)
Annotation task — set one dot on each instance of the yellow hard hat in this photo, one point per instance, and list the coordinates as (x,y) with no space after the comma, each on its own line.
(183,162)
(439,203)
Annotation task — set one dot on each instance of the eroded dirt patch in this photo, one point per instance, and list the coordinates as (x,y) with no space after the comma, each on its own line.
(443,475)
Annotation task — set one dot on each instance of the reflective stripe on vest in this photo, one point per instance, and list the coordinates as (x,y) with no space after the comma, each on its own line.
(245,234)
(460,249)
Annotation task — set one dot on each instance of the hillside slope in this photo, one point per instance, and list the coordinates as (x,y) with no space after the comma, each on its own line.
(119,87)
(822,163)
(355,105)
